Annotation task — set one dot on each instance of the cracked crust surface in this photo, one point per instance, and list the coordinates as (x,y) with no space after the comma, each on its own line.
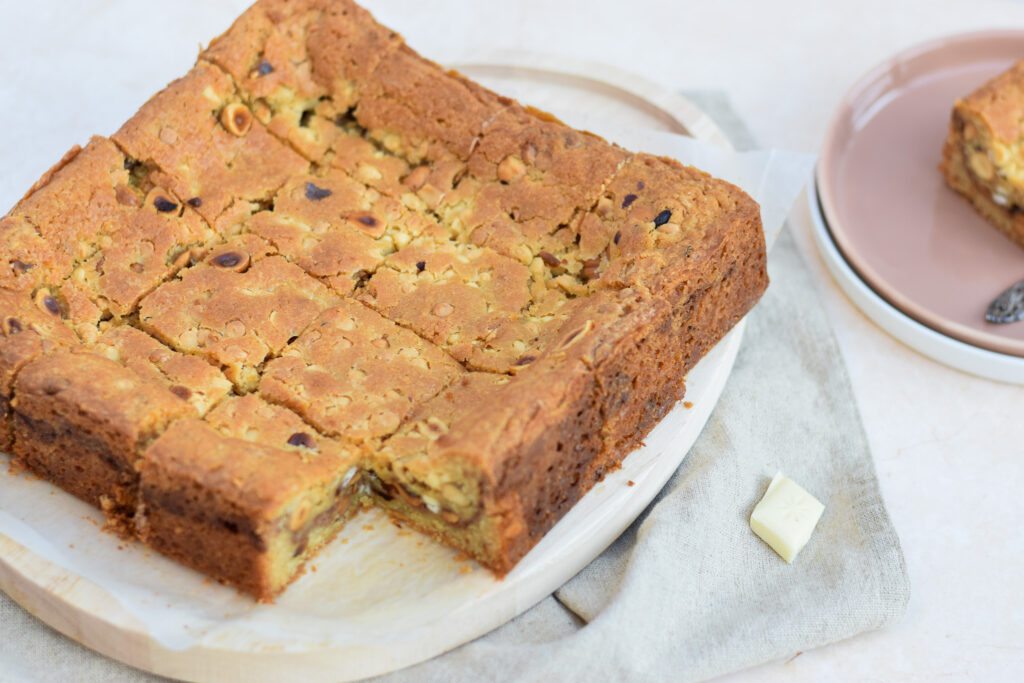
(355,374)
(320,271)
(236,308)
(206,146)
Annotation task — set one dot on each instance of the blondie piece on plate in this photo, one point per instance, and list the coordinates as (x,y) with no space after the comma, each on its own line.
(983,158)
(320,271)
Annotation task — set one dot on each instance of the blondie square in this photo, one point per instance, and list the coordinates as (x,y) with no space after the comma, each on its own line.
(27,329)
(236,308)
(81,421)
(485,309)
(302,66)
(336,228)
(356,374)
(96,235)
(188,377)
(198,139)
(246,495)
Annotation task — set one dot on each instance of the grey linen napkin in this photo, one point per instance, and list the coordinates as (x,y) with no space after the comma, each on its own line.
(687,592)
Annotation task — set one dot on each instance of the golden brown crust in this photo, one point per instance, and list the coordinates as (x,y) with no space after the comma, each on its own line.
(355,374)
(236,308)
(203,144)
(415,109)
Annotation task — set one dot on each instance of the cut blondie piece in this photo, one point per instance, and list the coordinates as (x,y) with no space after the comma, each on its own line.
(247,495)
(671,229)
(692,241)
(27,329)
(529,178)
(415,109)
(236,308)
(197,138)
(98,235)
(302,66)
(336,228)
(494,461)
(485,309)
(308,66)
(355,374)
(188,377)
(81,420)
(983,158)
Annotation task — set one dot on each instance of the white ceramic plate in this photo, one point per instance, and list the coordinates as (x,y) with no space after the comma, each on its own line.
(379,598)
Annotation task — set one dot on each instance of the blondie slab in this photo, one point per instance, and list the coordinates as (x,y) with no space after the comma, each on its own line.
(319,259)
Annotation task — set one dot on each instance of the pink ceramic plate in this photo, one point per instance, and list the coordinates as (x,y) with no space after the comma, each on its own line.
(913,240)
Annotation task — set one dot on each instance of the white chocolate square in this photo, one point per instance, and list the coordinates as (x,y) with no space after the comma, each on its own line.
(785,517)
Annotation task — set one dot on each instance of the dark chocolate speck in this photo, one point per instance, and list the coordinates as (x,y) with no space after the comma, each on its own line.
(265,68)
(164,205)
(629,199)
(51,305)
(181,392)
(316,193)
(195,202)
(618,236)
(301,439)
(420,265)
(662,218)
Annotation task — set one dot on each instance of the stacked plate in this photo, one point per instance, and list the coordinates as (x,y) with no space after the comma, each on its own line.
(910,252)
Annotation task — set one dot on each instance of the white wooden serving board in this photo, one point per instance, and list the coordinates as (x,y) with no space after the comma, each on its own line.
(378,598)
